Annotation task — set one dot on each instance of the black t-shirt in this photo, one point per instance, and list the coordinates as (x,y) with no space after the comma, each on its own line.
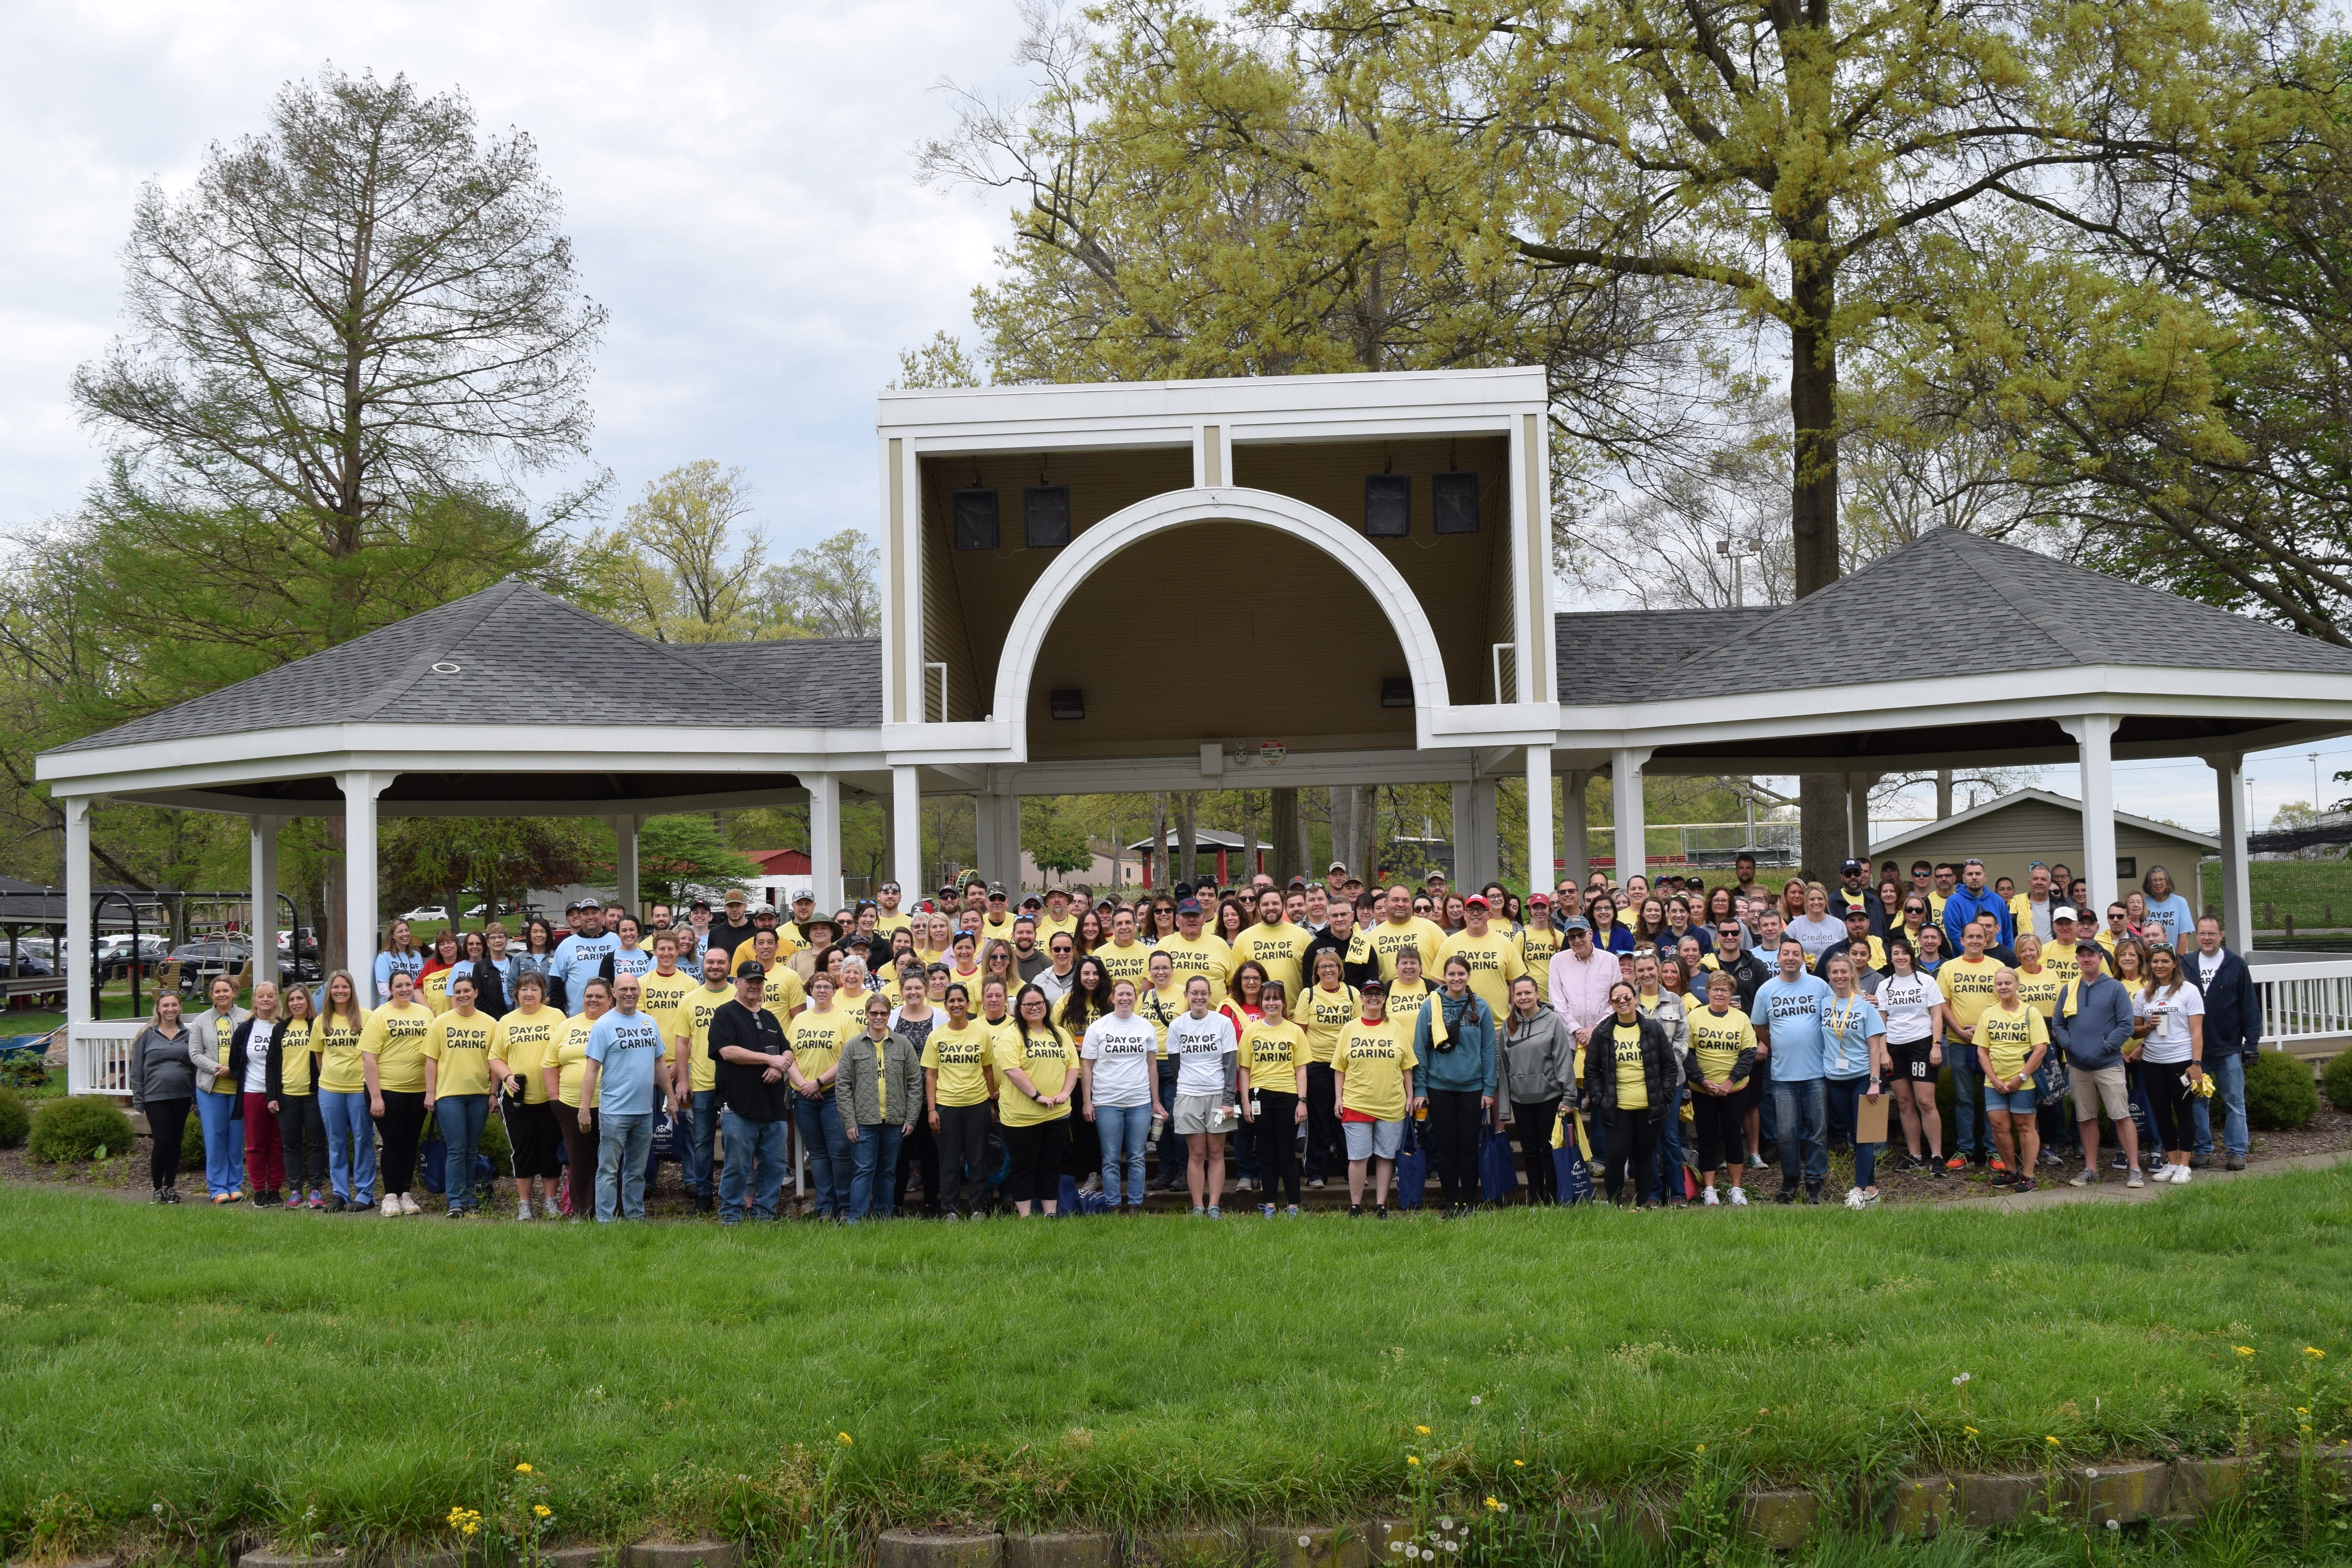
(726,936)
(742,1086)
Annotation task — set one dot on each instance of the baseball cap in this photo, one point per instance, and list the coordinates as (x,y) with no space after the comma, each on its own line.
(1298,882)
(1032,902)
(1576,923)
(1188,906)
(1543,899)
(1857,913)
(996,889)
(734,895)
(759,910)
(1335,866)
(700,904)
(1852,865)
(1370,986)
(2089,946)
(750,969)
(804,894)
(2064,912)
(1477,898)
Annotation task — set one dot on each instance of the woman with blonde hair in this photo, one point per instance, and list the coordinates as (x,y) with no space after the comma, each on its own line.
(399,955)
(164,1089)
(349,1135)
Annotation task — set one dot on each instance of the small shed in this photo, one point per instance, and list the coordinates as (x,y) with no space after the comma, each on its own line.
(2012,832)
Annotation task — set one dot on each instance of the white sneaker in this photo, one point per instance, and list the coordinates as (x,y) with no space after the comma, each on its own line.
(1739,1197)
(522,1208)
(1853,1197)
(2179,1175)
(391,1206)
(1708,1198)
(408,1205)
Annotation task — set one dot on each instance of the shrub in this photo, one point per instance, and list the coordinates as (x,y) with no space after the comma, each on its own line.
(2337,1081)
(191,1142)
(14,1120)
(2279,1091)
(79,1128)
(495,1147)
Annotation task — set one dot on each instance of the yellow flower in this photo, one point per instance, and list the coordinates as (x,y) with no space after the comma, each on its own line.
(1422,1430)
(540,1508)
(1702,1447)
(1969,1430)
(845,1438)
(1492,1503)
(2302,1410)
(2052,1441)
(2315,1352)
(1411,1459)
(2245,1349)
(1522,1464)
(523,1469)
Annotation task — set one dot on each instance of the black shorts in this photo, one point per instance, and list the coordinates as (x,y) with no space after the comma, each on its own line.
(1911,1060)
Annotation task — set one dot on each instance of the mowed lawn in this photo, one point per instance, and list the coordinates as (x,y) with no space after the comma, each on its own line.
(243,1367)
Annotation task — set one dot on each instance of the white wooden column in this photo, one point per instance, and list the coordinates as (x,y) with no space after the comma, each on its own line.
(2237,884)
(359,913)
(1539,846)
(1631,836)
(825,839)
(1575,850)
(907,833)
(627,891)
(80,953)
(2095,736)
(264,831)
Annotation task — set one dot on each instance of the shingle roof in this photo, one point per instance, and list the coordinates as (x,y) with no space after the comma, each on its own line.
(522,655)
(1616,641)
(2011,608)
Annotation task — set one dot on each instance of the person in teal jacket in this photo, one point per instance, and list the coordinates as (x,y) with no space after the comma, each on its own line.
(1455,1042)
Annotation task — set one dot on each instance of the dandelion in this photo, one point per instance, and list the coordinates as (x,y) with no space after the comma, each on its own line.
(1422,1430)
(1969,1430)
(1413,1459)
(1445,1521)
(523,1469)
(2245,1349)
(541,1509)
(1396,1546)
(1960,1381)
(2053,1442)
(156,1509)
(1494,1504)
(1451,1545)
(1428,1555)
(1477,1399)
(845,1438)
(2315,1352)
(1702,1447)
(1520,1464)
(1305,1541)
(2114,1524)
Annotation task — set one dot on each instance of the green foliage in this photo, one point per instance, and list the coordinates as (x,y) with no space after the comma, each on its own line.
(675,850)
(495,1146)
(1054,838)
(2280,1095)
(15,1120)
(2314,893)
(2336,1079)
(428,858)
(191,1142)
(79,1128)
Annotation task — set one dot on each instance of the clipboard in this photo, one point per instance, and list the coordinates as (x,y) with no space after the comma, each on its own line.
(1870,1117)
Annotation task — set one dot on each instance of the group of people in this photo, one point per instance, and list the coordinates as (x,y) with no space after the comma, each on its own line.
(1250,1040)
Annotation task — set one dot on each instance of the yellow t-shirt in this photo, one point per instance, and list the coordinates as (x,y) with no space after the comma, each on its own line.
(1388,938)
(1048,928)
(1967,988)
(338,1044)
(2040,992)
(959,1056)
(660,993)
(433,990)
(1272,1055)
(1633,1081)
(462,1046)
(2010,1038)
(570,1056)
(1495,962)
(395,1036)
(1050,1059)
(1375,1058)
(1208,957)
(1405,1003)
(294,1055)
(817,1039)
(1536,948)
(223,1033)
(689,1018)
(1277,947)
(1717,1041)
(886,923)
(2061,960)
(1324,1015)
(1132,961)
(526,1042)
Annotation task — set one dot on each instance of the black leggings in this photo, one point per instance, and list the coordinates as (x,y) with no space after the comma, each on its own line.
(302,1134)
(1453,1131)
(1631,1138)
(1327,1146)
(963,1155)
(400,1127)
(921,1149)
(532,1137)
(1037,1152)
(167,1121)
(2169,1100)
(1719,1121)
(1278,1144)
(1535,1124)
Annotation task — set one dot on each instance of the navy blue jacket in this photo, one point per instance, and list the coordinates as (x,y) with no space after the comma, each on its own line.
(2234,1011)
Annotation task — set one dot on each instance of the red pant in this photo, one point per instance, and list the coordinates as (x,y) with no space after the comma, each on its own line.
(265,1156)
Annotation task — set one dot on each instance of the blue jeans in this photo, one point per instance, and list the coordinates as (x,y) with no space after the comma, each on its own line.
(750,1144)
(461,1117)
(874,1168)
(1845,1095)
(703,1125)
(1124,1130)
(828,1155)
(623,1144)
(223,1143)
(1802,1110)
(2228,1070)
(351,1144)
(1971,1134)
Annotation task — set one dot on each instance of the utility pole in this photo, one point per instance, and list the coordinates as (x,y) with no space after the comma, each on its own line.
(1735,549)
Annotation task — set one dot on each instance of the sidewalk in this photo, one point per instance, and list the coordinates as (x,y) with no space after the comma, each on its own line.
(2111,1188)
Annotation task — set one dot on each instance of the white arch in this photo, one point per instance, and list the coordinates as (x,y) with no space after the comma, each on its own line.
(1095,548)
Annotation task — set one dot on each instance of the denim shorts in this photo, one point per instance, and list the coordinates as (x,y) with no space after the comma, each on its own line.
(2016,1101)
(1367,1140)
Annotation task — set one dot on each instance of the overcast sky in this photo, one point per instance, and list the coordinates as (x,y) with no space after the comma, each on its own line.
(738,182)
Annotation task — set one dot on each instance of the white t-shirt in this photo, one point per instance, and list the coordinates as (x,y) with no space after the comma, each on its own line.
(1905,1000)
(1123,1051)
(2168,1041)
(256,1055)
(2207,963)
(1199,1047)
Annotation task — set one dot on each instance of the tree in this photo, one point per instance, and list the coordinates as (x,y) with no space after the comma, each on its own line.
(442,859)
(347,321)
(831,589)
(674,570)
(673,851)
(1053,838)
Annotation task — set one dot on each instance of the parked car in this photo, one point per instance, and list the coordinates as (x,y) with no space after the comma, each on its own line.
(426,914)
(478,911)
(113,954)
(27,963)
(202,960)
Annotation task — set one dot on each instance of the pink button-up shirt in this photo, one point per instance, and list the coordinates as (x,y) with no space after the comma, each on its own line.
(1580,988)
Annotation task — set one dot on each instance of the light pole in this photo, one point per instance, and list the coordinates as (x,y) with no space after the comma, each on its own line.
(2315,807)
(1733,549)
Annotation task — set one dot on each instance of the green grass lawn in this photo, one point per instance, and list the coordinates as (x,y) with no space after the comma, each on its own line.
(241,1368)
(2315,892)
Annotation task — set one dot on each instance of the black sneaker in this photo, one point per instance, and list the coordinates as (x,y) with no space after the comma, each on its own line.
(705,1202)
(1935,1168)
(1787,1194)
(171,1195)
(1379,1211)
(336,1205)
(2200,1161)
(1355,1211)
(159,1197)
(1812,1193)
(2235,1163)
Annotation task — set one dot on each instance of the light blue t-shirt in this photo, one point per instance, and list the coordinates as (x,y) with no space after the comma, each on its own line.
(580,959)
(389,964)
(2175,916)
(1792,1011)
(636,961)
(1846,1029)
(628,1046)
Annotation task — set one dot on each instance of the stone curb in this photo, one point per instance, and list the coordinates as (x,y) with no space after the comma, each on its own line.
(939,1549)
(1063,1548)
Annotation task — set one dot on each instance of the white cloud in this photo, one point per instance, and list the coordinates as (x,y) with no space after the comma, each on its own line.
(737,178)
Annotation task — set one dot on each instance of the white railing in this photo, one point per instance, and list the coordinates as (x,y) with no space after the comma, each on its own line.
(2305,1000)
(98,1055)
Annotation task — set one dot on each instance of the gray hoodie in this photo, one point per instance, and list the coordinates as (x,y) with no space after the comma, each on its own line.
(1538,1057)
